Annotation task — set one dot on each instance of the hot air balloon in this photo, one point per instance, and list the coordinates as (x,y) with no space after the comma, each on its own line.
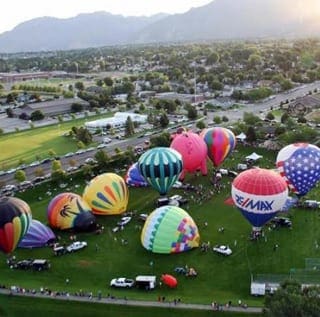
(107,194)
(169,280)
(134,178)
(37,236)
(220,143)
(70,211)
(193,151)
(169,229)
(259,194)
(161,168)
(299,165)
(15,219)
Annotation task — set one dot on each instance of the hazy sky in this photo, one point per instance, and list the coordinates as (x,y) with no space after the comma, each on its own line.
(14,12)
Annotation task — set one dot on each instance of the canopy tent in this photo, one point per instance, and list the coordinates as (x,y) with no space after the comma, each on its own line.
(241,137)
(254,157)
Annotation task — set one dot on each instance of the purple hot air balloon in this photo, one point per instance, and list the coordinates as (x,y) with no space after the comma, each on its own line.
(37,236)
(134,177)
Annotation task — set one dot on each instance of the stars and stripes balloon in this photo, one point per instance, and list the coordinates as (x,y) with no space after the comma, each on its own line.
(299,165)
(259,194)
(161,168)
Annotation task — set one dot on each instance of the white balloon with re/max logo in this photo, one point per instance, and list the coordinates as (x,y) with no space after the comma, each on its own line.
(259,194)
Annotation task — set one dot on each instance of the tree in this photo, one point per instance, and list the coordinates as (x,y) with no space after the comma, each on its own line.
(79,85)
(293,300)
(160,140)
(225,119)
(108,81)
(36,115)
(250,119)
(39,171)
(56,165)
(301,119)
(217,119)
(251,134)
(192,112)
(270,116)
(52,153)
(102,158)
(83,135)
(129,127)
(76,107)
(284,117)
(201,125)
(9,112)
(20,176)
(164,120)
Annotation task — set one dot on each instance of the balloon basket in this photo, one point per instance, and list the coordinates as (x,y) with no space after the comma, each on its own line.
(255,234)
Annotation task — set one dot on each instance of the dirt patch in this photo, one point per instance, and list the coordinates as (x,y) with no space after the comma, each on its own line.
(86,263)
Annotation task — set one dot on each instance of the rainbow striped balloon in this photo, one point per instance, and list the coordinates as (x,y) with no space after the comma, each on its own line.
(15,219)
(107,194)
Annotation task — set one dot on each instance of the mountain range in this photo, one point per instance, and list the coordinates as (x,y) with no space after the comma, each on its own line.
(220,19)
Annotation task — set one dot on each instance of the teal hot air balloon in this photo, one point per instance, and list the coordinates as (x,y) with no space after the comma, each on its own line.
(161,168)
(169,229)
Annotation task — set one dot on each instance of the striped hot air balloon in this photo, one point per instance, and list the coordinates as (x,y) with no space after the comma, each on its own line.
(220,143)
(15,219)
(107,194)
(70,211)
(169,229)
(161,168)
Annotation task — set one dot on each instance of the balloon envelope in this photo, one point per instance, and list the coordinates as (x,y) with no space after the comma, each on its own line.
(134,177)
(37,236)
(107,194)
(161,168)
(220,143)
(15,219)
(169,229)
(299,165)
(169,280)
(193,150)
(70,211)
(259,194)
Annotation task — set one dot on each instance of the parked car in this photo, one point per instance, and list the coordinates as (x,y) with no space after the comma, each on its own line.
(69,154)
(281,222)
(77,245)
(123,221)
(222,249)
(122,282)
(59,250)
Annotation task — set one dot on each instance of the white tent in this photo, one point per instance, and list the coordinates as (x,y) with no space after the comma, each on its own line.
(254,156)
(241,137)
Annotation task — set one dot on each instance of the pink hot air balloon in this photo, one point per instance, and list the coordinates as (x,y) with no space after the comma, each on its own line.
(193,151)
(220,143)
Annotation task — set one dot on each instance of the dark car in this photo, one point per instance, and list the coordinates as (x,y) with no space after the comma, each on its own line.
(40,265)
(281,222)
(23,264)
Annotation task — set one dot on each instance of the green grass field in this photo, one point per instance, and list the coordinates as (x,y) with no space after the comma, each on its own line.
(17,306)
(30,144)
(219,278)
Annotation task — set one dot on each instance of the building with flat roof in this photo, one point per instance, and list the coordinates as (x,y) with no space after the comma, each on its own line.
(117,121)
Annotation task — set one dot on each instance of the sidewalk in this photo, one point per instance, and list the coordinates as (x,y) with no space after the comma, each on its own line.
(121,301)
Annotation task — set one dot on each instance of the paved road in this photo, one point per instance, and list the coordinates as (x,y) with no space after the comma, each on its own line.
(128,302)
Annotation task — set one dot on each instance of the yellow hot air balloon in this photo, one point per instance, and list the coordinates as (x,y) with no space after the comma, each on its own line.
(107,194)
